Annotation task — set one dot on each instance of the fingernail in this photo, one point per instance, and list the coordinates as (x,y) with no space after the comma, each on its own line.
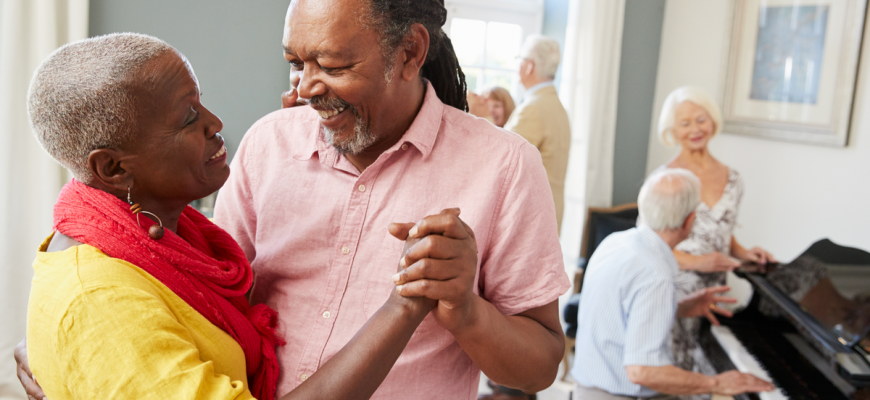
(397,278)
(402,262)
(399,288)
(413,231)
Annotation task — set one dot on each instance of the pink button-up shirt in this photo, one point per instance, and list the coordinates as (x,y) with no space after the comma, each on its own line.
(315,231)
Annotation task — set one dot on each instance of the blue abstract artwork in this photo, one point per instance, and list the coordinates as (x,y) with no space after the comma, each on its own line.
(789,53)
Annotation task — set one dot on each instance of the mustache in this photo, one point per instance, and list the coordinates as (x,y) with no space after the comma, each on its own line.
(329,103)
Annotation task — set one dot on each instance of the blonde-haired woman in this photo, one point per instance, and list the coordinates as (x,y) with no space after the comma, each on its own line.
(494,104)
(501,104)
(690,118)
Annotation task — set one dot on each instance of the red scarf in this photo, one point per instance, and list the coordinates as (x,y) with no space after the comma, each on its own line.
(201,264)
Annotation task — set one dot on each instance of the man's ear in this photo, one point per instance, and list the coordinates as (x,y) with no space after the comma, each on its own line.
(105,166)
(528,67)
(413,52)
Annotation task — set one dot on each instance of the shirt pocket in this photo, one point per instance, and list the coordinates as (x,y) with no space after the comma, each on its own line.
(379,281)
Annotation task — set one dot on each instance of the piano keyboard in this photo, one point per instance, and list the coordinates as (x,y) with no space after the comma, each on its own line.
(744,361)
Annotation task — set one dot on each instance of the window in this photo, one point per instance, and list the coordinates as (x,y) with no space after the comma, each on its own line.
(488,51)
(487,35)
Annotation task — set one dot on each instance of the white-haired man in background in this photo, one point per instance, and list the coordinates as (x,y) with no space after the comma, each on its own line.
(540,118)
(629,302)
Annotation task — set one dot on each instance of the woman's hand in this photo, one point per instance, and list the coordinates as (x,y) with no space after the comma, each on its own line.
(711,262)
(422,304)
(758,255)
(704,303)
(442,267)
(718,262)
(290,98)
(28,381)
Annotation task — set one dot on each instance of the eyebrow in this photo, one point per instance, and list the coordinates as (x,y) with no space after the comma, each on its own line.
(317,53)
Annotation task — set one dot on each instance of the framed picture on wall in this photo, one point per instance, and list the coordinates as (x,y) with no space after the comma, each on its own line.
(791,69)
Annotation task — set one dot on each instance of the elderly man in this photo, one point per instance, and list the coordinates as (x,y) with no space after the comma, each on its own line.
(385,139)
(629,302)
(540,117)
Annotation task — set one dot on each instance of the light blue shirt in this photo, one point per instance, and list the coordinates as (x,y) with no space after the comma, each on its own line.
(530,91)
(627,308)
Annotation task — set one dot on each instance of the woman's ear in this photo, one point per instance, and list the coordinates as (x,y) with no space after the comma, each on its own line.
(105,166)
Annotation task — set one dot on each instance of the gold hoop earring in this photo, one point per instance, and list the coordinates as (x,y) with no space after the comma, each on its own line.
(155,232)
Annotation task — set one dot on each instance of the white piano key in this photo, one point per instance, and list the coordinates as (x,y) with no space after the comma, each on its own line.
(743,360)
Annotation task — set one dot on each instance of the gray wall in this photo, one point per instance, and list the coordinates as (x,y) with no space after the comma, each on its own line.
(555,25)
(234,47)
(641,39)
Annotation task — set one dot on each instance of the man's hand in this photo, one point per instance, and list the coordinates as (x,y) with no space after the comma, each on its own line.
(703,303)
(441,266)
(23,369)
(717,262)
(734,382)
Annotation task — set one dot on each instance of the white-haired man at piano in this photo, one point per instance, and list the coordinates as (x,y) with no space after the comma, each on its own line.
(629,302)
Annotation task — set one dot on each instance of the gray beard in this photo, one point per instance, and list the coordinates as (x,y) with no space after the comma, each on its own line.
(362,137)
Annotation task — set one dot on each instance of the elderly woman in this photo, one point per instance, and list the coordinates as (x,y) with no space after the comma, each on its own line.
(690,118)
(494,104)
(500,104)
(136,294)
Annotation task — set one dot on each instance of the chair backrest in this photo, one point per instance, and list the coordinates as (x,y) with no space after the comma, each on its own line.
(601,222)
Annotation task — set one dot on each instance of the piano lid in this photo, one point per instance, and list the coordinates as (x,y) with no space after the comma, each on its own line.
(840,301)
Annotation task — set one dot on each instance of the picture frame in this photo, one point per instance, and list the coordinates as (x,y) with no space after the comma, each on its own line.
(791,69)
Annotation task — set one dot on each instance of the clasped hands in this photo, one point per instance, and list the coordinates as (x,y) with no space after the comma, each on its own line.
(438,267)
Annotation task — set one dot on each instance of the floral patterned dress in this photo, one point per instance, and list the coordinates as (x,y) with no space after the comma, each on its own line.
(711,232)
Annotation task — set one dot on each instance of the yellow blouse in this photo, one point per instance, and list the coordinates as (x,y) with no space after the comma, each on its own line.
(101,328)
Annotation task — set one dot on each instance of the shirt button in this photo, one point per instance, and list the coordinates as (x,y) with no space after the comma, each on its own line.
(345,250)
(362,188)
(326,314)
(303,377)
(405,146)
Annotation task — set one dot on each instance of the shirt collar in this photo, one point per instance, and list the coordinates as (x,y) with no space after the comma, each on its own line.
(421,134)
(650,234)
(534,89)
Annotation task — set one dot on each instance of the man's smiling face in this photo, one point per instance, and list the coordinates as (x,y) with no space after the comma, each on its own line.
(341,69)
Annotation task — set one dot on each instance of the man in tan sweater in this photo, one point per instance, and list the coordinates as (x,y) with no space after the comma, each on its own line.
(540,117)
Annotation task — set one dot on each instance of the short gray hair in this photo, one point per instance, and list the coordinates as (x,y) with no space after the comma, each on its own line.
(544,52)
(81,97)
(668,197)
(679,96)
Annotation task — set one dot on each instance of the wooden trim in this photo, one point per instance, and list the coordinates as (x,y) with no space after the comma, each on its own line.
(599,210)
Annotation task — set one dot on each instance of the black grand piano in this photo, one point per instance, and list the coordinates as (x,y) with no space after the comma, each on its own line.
(821,354)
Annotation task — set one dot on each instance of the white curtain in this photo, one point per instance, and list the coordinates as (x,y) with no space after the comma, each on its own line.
(589,89)
(29,179)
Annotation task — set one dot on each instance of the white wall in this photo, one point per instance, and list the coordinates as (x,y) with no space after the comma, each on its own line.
(795,194)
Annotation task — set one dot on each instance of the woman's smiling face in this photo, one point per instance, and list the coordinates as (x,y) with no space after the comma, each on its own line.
(693,128)
(178,155)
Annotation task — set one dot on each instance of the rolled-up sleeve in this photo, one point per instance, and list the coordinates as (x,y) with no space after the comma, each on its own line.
(651,309)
